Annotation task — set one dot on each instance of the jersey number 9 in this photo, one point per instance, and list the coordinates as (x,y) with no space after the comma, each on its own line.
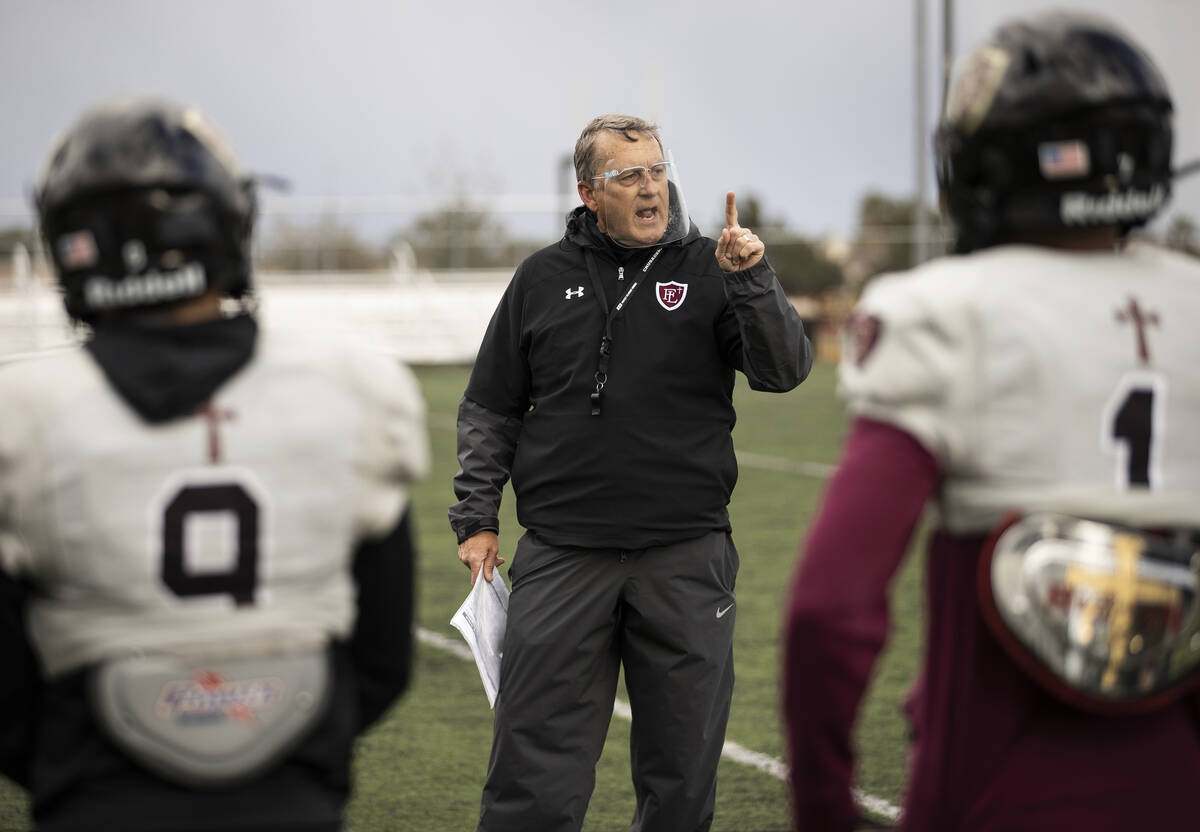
(239,582)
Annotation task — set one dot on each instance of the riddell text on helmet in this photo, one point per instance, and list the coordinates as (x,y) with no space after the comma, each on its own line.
(1078,208)
(152,287)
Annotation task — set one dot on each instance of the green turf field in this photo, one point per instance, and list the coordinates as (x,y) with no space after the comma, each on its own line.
(422,768)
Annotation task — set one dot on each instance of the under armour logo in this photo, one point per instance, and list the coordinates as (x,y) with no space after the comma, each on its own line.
(576,293)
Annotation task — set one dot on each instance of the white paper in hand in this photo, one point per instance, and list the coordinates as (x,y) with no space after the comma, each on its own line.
(481,620)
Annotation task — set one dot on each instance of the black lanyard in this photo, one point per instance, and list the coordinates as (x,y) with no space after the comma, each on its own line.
(609,316)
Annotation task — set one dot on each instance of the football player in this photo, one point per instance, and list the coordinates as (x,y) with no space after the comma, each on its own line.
(1040,389)
(203,524)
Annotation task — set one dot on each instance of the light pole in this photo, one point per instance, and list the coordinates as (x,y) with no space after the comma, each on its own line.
(921,225)
(921,230)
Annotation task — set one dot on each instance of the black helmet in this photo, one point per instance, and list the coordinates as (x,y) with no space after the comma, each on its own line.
(143,204)
(1059,121)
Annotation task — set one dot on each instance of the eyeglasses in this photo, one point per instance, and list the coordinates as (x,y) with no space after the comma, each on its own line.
(628,177)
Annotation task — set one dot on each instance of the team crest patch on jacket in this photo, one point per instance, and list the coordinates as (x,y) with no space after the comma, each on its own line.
(671,295)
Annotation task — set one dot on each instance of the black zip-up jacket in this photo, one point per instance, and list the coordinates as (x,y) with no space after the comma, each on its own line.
(656,465)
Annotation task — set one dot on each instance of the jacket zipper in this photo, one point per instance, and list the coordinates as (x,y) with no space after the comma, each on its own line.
(620,272)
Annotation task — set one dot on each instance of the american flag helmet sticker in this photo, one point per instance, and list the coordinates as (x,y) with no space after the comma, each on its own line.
(77,250)
(1064,160)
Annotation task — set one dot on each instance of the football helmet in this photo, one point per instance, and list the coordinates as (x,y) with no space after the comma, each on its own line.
(1058,121)
(143,204)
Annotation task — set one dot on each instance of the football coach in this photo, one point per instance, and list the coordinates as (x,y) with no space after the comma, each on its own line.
(604,389)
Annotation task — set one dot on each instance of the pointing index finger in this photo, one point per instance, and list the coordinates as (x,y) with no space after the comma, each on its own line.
(731,219)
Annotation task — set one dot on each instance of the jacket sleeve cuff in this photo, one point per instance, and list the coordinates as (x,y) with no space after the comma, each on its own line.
(465,529)
(757,278)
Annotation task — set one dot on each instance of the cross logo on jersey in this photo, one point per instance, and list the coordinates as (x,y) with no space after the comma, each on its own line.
(213,417)
(671,295)
(1141,319)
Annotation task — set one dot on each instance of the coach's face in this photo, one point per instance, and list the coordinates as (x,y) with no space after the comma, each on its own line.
(633,212)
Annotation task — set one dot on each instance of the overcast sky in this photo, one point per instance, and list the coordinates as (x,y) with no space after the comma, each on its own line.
(806,104)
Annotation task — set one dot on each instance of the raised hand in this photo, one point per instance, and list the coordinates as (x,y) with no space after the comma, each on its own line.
(739,248)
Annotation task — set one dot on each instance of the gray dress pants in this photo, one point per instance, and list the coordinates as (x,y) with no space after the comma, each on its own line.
(574,617)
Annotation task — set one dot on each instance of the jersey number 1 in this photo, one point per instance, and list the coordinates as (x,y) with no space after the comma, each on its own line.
(1132,428)
(240,581)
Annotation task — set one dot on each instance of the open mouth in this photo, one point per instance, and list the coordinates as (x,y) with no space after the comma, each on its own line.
(649,216)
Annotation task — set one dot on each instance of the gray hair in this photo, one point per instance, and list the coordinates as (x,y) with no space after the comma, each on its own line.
(585,165)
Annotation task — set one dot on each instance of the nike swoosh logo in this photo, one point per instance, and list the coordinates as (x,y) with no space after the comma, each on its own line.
(721,612)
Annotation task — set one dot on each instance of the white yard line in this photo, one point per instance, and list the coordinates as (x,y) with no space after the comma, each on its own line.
(731,750)
(876,805)
(768,462)
(453,646)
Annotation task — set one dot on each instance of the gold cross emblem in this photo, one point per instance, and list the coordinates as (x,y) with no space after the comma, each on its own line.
(1123,591)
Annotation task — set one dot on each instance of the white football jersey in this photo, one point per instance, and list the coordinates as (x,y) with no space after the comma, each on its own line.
(231,526)
(1041,380)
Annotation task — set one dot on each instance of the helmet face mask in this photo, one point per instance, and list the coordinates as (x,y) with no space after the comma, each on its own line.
(143,205)
(1057,123)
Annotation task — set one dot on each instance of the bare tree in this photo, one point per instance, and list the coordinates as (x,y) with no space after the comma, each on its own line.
(460,235)
(326,244)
